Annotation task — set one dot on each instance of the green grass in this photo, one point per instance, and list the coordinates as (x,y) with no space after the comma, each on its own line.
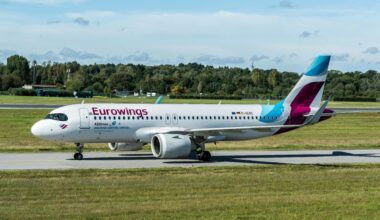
(6,99)
(346,131)
(251,192)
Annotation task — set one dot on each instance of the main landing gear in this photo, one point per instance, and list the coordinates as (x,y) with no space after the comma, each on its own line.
(202,154)
(78,155)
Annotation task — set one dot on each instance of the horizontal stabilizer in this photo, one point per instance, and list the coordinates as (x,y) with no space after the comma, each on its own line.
(315,118)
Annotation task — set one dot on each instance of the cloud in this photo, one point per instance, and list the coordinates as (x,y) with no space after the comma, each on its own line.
(372,50)
(277,60)
(340,57)
(138,58)
(81,21)
(286,4)
(215,60)
(80,55)
(255,58)
(292,55)
(307,34)
(53,22)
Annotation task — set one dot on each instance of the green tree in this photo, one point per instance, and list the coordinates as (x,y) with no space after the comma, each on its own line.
(273,78)
(11,81)
(19,66)
(120,81)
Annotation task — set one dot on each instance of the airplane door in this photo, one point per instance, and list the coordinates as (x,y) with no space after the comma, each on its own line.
(167,119)
(175,119)
(84,119)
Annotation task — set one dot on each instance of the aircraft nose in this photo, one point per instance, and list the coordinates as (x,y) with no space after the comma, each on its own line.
(37,129)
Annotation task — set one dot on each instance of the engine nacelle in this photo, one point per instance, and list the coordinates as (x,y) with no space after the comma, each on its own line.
(125,146)
(171,146)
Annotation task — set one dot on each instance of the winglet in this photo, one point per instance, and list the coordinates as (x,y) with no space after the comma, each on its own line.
(159,99)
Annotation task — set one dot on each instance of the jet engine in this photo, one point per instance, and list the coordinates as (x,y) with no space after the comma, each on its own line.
(171,146)
(125,146)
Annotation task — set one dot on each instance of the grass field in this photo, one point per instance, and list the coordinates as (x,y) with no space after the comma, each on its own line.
(252,192)
(346,131)
(5,99)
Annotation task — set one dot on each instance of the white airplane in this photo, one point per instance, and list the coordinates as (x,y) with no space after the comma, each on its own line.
(176,130)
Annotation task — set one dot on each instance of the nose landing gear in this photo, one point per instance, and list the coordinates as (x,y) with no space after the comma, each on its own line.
(78,155)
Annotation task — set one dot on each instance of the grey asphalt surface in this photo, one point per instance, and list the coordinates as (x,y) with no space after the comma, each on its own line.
(41,106)
(108,160)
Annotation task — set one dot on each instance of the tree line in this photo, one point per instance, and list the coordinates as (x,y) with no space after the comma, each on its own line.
(189,79)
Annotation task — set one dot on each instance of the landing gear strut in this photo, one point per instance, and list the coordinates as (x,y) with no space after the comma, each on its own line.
(202,154)
(78,155)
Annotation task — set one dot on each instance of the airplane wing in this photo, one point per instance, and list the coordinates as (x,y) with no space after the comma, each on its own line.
(216,131)
(145,134)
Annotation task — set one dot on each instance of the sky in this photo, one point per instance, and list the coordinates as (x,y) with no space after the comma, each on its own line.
(282,34)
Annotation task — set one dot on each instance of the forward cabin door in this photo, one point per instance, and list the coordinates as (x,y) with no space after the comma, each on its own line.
(84,119)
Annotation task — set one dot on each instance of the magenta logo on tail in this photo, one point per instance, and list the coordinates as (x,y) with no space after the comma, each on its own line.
(307,93)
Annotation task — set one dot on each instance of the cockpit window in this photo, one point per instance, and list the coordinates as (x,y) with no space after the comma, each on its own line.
(57,117)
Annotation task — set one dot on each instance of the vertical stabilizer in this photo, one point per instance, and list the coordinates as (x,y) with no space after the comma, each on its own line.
(309,89)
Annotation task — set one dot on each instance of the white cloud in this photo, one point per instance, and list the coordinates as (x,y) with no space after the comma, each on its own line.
(372,50)
(220,61)
(286,4)
(221,34)
(81,21)
(341,57)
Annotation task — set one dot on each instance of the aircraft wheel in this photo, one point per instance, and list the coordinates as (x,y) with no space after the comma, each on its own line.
(78,156)
(205,156)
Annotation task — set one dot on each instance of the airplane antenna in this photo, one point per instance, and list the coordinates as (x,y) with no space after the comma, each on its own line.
(82,102)
(220,102)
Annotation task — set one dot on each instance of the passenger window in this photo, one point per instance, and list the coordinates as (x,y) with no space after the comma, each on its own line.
(94,117)
(119,118)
